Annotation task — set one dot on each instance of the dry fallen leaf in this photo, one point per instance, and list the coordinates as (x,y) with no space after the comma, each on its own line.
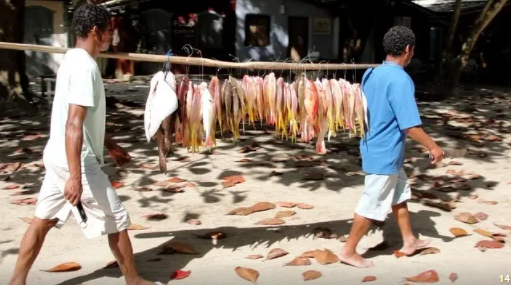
(236,179)
(243,211)
(458,232)
(326,256)
(262,206)
(276,253)
(429,250)
(314,176)
(180,247)
(149,166)
(453,277)
(65,267)
(308,254)
(504,227)
(134,227)
(248,274)
(484,244)
(430,276)
(399,254)
(250,148)
(195,222)
(254,256)
(369,279)
(271,222)
(286,204)
(299,261)
(180,274)
(155,217)
(481,216)
(285,214)
(117,184)
(11,187)
(311,275)
(304,206)
(482,201)
(466,218)
(27,220)
(25,201)
(176,180)
(161,183)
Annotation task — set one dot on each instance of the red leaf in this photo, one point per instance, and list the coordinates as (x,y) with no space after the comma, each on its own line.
(176,180)
(11,187)
(65,267)
(230,181)
(244,160)
(430,276)
(489,244)
(398,253)
(453,277)
(117,184)
(369,279)
(180,274)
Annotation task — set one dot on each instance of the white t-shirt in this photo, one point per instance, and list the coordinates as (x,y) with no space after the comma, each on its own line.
(79,82)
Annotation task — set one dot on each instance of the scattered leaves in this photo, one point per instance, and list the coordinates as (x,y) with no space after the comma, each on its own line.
(369,279)
(311,275)
(304,206)
(262,206)
(399,254)
(446,206)
(466,218)
(248,274)
(430,276)
(458,232)
(276,253)
(285,214)
(271,222)
(134,227)
(13,167)
(286,204)
(195,222)
(11,187)
(176,180)
(481,216)
(308,254)
(485,244)
(25,201)
(326,256)
(453,277)
(314,176)
(180,274)
(504,227)
(299,261)
(148,166)
(482,201)
(429,250)
(230,181)
(65,267)
(254,256)
(156,217)
(180,247)
(27,220)
(243,211)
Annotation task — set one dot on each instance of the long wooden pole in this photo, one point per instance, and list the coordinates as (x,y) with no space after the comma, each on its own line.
(197,61)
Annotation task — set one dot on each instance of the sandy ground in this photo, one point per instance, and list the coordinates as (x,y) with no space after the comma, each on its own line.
(334,199)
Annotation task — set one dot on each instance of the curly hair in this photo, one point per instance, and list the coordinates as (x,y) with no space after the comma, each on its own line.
(88,16)
(396,40)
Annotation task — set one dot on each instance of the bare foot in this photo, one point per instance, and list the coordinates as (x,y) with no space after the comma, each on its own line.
(413,245)
(355,260)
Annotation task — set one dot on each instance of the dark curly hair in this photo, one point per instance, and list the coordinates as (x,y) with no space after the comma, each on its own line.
(396,40)
(87,16)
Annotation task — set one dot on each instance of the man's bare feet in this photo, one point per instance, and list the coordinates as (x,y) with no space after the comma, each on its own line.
(355,260)
(412,245)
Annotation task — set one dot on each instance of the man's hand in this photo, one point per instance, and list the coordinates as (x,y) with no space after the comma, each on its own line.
(120,156)
(73,190)
(436,154)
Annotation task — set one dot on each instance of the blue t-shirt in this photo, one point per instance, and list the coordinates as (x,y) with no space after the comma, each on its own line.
(391,110)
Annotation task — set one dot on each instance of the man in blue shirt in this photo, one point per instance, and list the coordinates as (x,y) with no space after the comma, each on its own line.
(392,115)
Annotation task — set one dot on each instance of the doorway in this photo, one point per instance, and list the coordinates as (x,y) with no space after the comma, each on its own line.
(298,47)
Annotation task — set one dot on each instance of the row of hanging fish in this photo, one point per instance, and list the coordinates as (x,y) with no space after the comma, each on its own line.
(190,113)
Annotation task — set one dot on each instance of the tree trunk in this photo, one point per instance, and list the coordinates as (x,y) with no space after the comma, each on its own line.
(14,83)
(455,65)
(452,31)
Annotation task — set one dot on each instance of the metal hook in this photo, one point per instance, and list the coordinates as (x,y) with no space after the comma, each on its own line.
(163,69)
(189,50)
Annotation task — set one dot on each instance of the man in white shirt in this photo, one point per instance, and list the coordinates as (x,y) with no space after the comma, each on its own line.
(74,153)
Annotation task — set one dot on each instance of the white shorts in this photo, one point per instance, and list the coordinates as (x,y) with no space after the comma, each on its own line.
(105,211)
(381,192)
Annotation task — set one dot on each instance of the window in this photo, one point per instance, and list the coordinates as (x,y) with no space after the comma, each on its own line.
(403,21)
(257,30)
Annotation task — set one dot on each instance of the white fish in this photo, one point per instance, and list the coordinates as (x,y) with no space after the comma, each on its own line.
(208,113)
(161,102)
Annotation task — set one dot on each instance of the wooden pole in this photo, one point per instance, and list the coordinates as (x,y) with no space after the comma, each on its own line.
(197,61)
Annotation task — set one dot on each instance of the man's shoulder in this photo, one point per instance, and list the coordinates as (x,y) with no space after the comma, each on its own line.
(80,60)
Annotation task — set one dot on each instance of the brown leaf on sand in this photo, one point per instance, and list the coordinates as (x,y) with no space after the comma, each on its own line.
(230,181)
(149,166)
(399,254)
(430,276)
(286,204)
(25,201)
(176,180)
(304,206)
(11,187)
(453,277)
(504,227)
(254,256)
(369,279)
(65,267)
(308,254)
(285,214)
(27,220)
(248,274)
(485,244)
(326,256)
(155,217)
(299,261)
(466,218)
(314,176)
(276,253)
(482,201)
(481,216)
(458,232)
(311,275)
(180,247)
(262,206)
(111,264)
(271,222)
(134,227)
(195,222)
(381,246)
(243,211)
(429,250)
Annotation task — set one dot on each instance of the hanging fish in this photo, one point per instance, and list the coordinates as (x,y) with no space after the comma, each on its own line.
(227,100)
(161,104)
(214,90)
(236,111)
(242,110)
(208,117)
(259,83)
(346,91)
(271,94)
(293,112)
(321,124)
(181,124)
(337,102)
(330,107)
(196,117)
(279,106)
(360,109)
